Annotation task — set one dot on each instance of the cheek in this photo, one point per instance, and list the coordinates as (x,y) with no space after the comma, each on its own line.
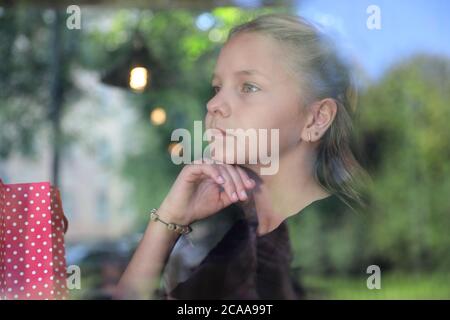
(288,121)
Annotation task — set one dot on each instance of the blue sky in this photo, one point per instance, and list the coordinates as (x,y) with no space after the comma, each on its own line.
(407,27)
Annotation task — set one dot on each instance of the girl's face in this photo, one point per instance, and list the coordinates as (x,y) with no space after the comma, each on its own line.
(253,90)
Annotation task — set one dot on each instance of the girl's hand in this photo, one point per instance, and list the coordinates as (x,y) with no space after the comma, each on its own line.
(202,189)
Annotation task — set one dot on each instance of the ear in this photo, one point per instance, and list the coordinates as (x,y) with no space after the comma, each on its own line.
(319,119)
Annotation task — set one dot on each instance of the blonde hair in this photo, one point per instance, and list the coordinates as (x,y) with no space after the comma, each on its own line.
(322,74)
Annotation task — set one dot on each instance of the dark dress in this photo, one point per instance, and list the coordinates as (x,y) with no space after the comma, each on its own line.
(224,258)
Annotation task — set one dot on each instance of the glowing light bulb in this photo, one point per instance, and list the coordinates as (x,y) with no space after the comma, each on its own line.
(158,116)
(138,78)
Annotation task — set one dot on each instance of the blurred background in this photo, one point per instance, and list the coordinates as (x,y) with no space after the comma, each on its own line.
(92,110)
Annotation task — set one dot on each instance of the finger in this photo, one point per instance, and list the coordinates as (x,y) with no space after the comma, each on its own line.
(229,185)
(249,183)
(196,171)
(240,187)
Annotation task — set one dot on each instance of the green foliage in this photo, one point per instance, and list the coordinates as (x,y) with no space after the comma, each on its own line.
(407,110)
(406,285)
(25,76)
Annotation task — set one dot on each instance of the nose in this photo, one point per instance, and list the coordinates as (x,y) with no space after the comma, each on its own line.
(218,106)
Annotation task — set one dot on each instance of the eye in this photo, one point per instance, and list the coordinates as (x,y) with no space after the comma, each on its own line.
(215,89)
(248,87)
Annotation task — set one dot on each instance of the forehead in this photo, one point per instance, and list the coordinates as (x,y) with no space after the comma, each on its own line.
(250,51)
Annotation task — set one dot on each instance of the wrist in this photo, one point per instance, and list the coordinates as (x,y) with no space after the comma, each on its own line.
(172,225)
(172,216)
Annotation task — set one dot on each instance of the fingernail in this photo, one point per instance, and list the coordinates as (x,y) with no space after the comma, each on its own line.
(234,196)
(244,194)
(220,179)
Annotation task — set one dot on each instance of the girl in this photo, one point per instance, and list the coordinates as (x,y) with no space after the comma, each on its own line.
(275,72)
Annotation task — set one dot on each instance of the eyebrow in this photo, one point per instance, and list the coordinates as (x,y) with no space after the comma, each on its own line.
(249,72)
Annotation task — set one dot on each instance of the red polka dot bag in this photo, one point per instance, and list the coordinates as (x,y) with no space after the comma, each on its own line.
(32,256)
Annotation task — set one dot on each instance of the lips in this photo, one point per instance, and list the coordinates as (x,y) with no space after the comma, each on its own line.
(223,132)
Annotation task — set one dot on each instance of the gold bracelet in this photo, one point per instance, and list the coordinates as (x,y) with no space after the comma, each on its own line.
(180,229)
